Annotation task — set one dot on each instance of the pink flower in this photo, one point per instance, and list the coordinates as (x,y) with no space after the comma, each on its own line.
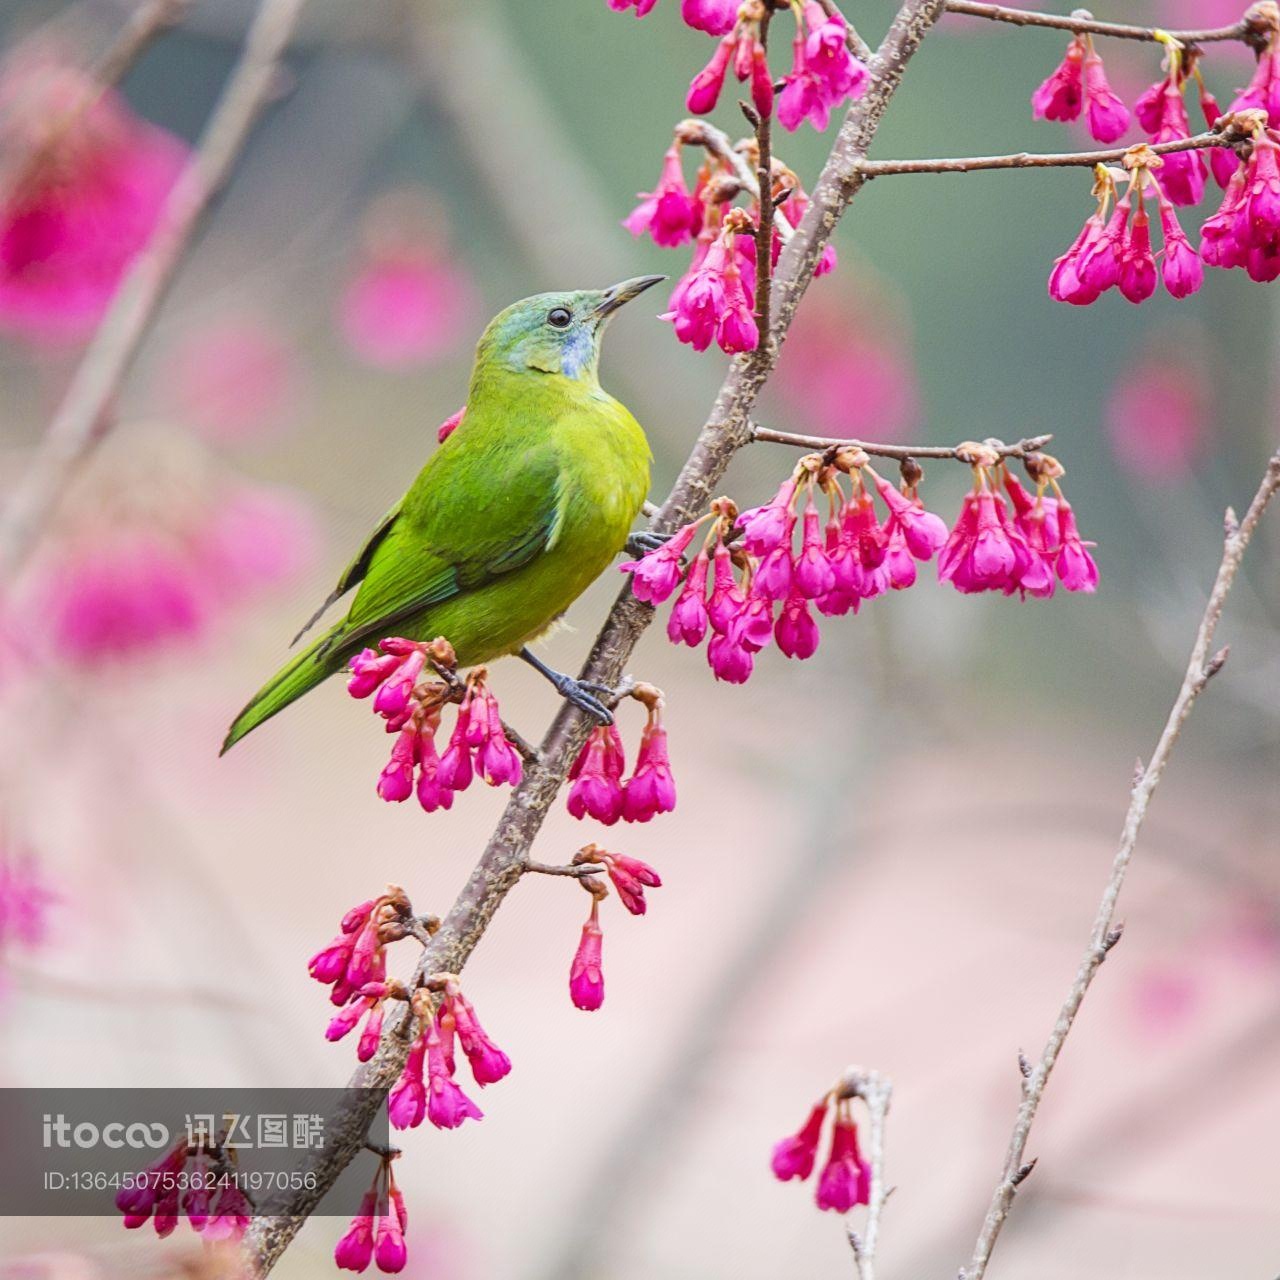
(651,789)
(1182,175)
(454,772)
(711,302)
(1036,518)
(93,182)
(923,532)
(846,1178)
(407,1101)
(737,330)
(729,659)
(630,878)
(596,776)
(354,1251)
(1061,96)
(802,97)
(980,554)
(1137,263)
(761,80)
(813,575)
(1076,568)
(770,526)
(447,1105)
(497,761)
(1223,161)
(715,17)
(704,92)
(823,73)
(488,1063)
(687,622)
(727,597)
(1108,116)
(642,7)
(657,573)
(827,56)
(1219,244)
(586,977)
(1065,284)
(796,632)
(669,213)
(1263,91)
(395,783)
(356,956)
(389,1249)
(773,575)
(413,710)
(1182,269)
(1099,268)
(794,1156)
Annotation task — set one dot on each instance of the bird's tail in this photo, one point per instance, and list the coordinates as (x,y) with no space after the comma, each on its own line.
(314,664)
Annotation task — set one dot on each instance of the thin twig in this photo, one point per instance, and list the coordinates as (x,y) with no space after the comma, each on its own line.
(877,1092)
(956,453)
(726,431)
(1081,21)
(83,417)
(1106,933)
(576,869)
(1031,160)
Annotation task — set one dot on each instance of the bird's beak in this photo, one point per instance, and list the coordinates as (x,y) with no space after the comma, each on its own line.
(623,292)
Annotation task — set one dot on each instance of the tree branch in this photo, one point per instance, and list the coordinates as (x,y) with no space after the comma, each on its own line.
(877,1093)
(765,435)
(1030,160)
(1081,22)
(1106,933)
(83,417)
(726,431)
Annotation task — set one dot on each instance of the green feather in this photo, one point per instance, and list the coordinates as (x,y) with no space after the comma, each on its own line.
(516,513)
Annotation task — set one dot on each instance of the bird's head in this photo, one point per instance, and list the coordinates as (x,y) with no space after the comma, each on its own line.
(557,332)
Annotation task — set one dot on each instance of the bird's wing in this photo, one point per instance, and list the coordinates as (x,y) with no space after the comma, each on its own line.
(355,571)
(458,529)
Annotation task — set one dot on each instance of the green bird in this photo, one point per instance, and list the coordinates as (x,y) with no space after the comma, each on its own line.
(512,518)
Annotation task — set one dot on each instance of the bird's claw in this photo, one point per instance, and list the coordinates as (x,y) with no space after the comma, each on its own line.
(641,544)
(580,694)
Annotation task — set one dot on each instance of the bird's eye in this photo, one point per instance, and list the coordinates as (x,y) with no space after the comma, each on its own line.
(559,318)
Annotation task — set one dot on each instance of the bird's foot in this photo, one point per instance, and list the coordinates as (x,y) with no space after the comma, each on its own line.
(640,544)
(586,695)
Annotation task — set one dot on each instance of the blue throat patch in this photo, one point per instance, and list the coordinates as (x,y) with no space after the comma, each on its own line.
(576,353)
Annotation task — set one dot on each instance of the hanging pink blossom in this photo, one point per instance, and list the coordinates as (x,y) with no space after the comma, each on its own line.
(586,975)
(669,213)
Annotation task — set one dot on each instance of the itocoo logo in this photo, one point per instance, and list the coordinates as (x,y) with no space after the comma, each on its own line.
(60,1132)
